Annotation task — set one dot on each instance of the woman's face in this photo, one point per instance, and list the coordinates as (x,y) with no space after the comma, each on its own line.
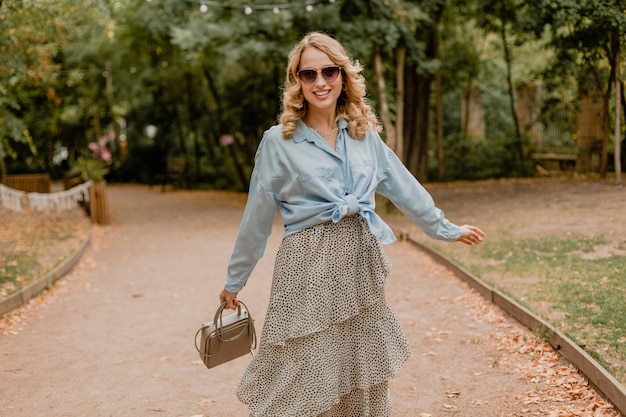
(321,94)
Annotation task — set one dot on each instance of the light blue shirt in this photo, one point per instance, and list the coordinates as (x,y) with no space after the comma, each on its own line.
(313,184)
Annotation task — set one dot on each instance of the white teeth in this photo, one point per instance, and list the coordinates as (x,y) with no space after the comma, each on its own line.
(321,93)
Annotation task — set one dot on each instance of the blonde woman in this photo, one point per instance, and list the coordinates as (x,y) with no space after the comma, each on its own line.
(329,342)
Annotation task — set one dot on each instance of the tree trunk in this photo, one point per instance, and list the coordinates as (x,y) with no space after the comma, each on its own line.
(618,119)
(180,131)
(417,99)
(400,67)
(606,121)
(390,131)
(509,78)
(439,114)
(193,115)
(232,150)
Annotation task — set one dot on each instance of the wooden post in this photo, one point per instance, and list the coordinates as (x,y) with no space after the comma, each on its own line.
(98,205)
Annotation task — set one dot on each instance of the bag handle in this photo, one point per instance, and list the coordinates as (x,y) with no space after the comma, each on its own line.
(218,316)
(218,320)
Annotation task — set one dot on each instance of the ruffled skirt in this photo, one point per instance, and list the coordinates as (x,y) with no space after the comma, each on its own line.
(329,342)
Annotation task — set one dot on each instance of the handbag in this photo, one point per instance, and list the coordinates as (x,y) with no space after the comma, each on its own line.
(227,337)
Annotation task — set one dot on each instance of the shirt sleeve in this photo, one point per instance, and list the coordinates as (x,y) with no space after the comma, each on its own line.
(406,193)
(254,231)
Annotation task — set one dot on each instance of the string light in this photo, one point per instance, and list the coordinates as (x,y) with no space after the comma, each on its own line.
(248,9)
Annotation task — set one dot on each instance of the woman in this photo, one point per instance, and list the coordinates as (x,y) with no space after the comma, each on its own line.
(329,342)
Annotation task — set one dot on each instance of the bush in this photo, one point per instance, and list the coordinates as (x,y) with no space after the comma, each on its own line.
(474,159)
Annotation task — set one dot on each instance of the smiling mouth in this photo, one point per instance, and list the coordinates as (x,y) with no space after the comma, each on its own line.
(322,93)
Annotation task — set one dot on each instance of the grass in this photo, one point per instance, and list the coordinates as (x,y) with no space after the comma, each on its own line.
(33,243)
(564,280)
(15,272)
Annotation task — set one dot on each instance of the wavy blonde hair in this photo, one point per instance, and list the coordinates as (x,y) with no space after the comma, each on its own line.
(352,103)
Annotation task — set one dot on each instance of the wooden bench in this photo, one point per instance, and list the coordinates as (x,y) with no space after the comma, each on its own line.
(30,183)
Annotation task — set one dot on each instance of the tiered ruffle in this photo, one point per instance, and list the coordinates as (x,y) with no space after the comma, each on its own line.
(329,342)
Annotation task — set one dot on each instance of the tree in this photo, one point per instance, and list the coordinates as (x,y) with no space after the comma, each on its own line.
(37,82)
(25,61)
(587,35)
(398,36)
(240,97)
(202,81)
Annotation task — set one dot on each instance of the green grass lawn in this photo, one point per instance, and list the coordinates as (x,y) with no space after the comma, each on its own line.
(571,282)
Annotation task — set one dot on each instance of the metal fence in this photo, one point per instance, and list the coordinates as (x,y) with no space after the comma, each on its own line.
(558,134)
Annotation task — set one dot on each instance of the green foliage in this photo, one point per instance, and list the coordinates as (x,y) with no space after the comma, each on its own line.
(585,36)
(45,40)
(90,169)
(72,71)
(473,158)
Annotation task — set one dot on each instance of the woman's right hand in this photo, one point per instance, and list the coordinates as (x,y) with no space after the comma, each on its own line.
(230,298)
(471,235)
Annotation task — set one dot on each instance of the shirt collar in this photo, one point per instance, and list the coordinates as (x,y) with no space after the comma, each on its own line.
(303,132)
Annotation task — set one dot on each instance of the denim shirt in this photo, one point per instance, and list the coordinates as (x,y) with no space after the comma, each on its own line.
(313,184)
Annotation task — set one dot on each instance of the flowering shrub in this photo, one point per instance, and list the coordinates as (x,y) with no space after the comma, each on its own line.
(99,148)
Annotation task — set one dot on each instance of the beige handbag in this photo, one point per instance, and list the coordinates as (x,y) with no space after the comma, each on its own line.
(227,337)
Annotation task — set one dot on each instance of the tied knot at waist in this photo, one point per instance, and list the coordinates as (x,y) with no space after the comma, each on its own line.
(349,207)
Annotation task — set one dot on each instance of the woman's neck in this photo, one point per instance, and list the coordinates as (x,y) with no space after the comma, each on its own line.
(323,122)
(325,126)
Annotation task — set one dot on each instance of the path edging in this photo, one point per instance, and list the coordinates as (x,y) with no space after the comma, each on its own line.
(599,377)
(22,296)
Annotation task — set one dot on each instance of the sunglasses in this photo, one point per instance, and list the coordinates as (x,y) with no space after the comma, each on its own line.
(308,76)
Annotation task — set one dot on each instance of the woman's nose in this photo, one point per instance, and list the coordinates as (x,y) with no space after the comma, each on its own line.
(319,79)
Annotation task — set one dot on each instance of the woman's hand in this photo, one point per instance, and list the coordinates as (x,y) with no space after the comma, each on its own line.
(471,235)
(230,298)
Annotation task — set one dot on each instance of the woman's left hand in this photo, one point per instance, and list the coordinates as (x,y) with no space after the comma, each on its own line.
(471,235)
(230,298)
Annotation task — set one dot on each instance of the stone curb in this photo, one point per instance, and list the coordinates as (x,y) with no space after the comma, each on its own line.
(22,296)
(600,378)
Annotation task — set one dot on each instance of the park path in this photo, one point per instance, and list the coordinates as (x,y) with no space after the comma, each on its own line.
(115,337)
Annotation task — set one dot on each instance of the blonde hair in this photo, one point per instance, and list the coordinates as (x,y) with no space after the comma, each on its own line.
(352,103)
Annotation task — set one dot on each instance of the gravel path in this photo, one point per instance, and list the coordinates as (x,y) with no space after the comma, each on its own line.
(115,337)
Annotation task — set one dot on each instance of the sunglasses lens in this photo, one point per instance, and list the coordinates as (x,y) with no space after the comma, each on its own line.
(330,73)
(307,76)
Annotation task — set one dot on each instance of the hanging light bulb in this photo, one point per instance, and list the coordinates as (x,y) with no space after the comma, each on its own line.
(248,10)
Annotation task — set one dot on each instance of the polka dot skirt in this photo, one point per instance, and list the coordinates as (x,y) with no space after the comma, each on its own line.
(329,343)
